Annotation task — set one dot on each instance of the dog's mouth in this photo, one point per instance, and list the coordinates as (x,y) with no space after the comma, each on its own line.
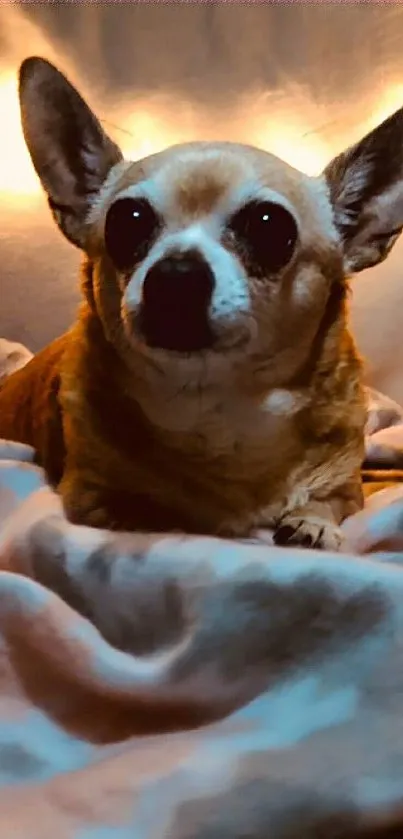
(181,329)
(180,333)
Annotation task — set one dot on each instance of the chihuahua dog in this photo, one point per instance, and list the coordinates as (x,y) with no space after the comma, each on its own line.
(210,383)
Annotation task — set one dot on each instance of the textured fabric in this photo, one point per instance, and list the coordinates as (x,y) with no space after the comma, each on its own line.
(193,688)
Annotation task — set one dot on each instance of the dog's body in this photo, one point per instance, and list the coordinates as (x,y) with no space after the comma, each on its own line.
(225,465)
(242,410)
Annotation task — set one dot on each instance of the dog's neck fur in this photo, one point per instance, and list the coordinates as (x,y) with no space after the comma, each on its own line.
(197,418)
(232,418)
(219,420)
(197,413)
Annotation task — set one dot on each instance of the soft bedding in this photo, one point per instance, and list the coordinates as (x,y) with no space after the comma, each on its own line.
(168,687)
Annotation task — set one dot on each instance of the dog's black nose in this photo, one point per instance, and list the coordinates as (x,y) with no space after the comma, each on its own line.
(176,297)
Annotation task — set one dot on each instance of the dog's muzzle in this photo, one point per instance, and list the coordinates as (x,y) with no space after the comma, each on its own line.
(174,314)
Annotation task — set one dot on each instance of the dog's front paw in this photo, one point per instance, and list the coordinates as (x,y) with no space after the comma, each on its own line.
(308,532)
(86,505)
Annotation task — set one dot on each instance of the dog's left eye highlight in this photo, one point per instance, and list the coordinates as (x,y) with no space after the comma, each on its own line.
(267,232)
(131,226)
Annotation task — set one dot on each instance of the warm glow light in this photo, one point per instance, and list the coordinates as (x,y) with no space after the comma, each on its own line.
(153,125)
(287,141)
(286,124)
(17,175)
(145,133)
(391,101)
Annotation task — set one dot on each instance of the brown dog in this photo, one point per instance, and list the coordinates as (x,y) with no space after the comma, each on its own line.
(210,383)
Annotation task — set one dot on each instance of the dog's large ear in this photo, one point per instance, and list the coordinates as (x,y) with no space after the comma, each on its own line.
(70,151)
(366,189)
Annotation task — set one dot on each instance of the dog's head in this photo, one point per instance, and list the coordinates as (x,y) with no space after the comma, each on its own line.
(210,257)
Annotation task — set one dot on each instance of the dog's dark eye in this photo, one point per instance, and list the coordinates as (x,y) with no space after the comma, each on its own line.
(268,233)
(130,227)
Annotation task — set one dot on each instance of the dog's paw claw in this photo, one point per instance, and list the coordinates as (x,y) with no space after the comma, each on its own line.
(307,533)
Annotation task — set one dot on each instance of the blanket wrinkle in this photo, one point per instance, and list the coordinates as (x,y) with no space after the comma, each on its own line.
(167,687)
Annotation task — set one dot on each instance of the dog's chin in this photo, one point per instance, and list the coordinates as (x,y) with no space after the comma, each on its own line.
(224,339)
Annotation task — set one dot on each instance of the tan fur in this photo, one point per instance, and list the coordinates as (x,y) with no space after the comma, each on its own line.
(266,428)
(217,456)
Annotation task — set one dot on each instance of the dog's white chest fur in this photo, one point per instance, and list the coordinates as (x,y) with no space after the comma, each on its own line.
(227,423)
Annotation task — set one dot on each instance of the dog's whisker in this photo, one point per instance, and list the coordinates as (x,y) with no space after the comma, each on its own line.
(117,127)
